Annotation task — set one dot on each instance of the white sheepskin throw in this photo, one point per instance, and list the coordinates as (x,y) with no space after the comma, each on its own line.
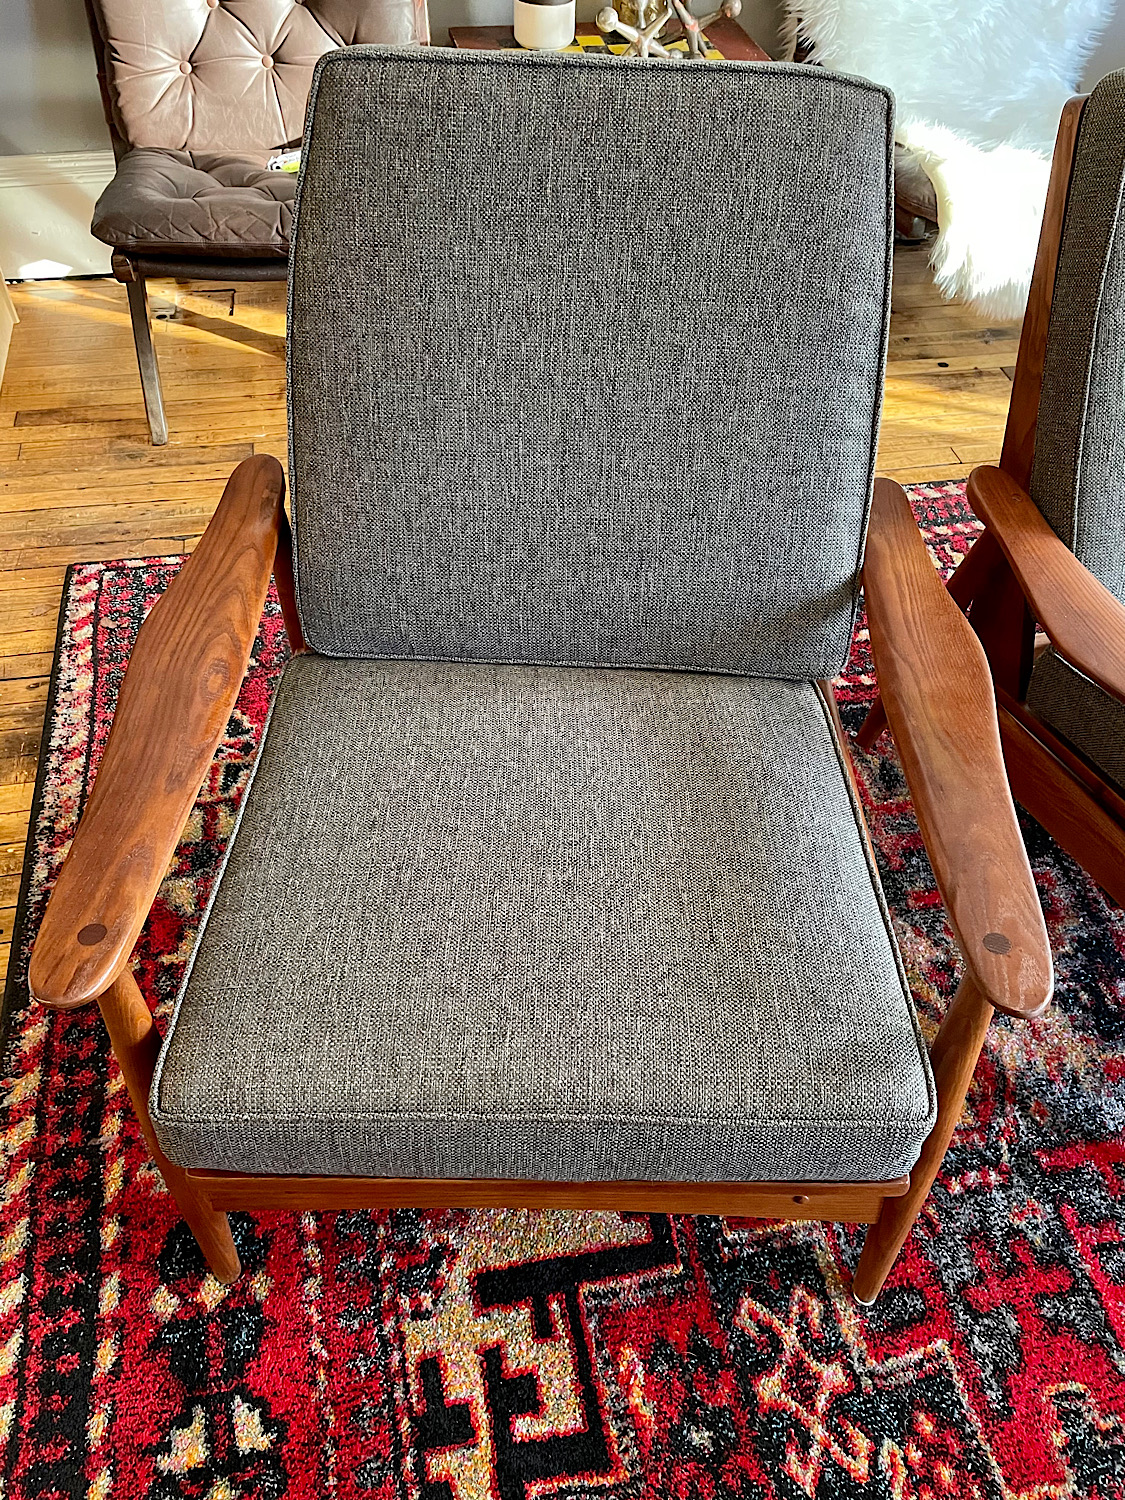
(980,85)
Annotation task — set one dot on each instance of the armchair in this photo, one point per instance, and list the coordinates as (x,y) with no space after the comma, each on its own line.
(1052,551)
(196,99)
(551,886)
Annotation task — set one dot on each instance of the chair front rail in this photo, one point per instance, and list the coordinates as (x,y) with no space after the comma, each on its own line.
(851,1202)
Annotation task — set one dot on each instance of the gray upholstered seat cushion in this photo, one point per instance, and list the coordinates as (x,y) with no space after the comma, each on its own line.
(185,203)
(545,922)
(1082,712)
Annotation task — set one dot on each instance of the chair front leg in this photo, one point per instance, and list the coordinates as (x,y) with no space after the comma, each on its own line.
(146,361)
(953,1058)
(136,1045)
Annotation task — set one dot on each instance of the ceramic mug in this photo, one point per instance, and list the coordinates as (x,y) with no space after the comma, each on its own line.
(544,25)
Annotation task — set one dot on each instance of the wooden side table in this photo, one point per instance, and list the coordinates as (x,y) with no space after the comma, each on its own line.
(726,37)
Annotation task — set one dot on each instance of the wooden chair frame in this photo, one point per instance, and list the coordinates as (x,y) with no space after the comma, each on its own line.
(181,684)
(1020,573)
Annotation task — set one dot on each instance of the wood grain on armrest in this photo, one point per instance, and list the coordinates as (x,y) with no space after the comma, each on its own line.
(1085,622)
(937,689)
(183,678)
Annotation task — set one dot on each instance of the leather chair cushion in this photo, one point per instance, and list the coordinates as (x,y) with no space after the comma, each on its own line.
(182,202)
(212,76)
(914,192)
(555,922)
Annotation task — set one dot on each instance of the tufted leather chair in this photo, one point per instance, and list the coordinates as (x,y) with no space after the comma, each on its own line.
(198,94)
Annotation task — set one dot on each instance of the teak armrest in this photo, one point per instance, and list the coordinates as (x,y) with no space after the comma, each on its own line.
(1084,621)
(182,681)
(937,690)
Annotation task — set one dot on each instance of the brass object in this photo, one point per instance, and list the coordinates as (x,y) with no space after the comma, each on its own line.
(642,36)
(643,22)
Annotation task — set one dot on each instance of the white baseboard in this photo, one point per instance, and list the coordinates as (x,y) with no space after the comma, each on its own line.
(45,208)
(8,320)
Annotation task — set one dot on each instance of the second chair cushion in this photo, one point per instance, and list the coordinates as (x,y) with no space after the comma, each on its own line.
(1082,712)
(555,923)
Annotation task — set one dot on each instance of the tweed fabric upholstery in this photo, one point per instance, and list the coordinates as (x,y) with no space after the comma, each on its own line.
(1078,481)
(1081,711)
(166,202)
(585,359)
(557,923)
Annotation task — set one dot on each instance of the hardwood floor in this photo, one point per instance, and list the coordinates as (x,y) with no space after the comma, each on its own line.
(949,380)
(79,480)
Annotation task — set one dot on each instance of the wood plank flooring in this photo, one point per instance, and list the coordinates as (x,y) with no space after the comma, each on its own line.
(79,480)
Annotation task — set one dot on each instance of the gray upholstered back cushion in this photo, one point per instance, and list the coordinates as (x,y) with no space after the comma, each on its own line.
(1078,480)
(585,359)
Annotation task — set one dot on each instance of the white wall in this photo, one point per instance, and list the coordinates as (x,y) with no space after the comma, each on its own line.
(54,148)
(46,204)
(1111,50)
(49,99)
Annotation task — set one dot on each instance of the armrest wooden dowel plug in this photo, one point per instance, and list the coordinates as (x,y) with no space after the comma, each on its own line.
(1084,621)
(937,690)
(182,681)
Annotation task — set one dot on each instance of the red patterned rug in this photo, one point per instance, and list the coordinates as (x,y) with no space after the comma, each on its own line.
(511,1356)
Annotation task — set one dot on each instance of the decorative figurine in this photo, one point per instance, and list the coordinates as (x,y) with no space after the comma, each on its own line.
(641,22)
(642,36)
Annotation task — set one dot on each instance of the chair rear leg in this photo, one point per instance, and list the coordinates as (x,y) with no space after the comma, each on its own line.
(136,1045)
(953,1058)
(146,361)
